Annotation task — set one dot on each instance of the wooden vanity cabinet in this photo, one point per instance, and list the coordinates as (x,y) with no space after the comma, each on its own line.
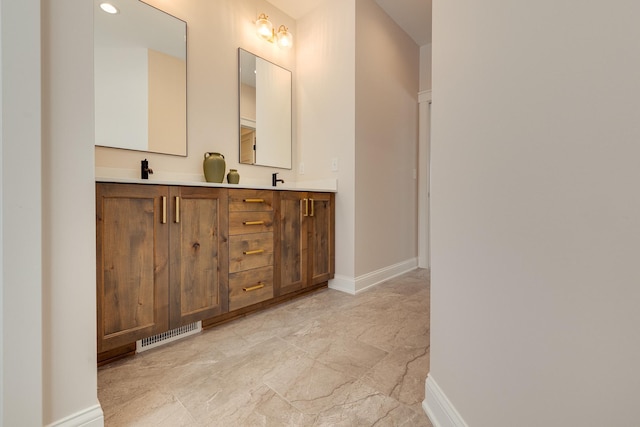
(198,242)
(321,220)
(162,259)
(132,264)
(168,256)
(305,246)
(250,247)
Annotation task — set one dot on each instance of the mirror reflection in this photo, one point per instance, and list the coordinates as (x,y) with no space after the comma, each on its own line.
(265,112)
(140,78)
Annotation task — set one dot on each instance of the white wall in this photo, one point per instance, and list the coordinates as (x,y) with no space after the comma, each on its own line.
(68,204)
(21,381)
(425,67)
(357,103)
(326,113)
(387,74)
(215,30)
(536,212)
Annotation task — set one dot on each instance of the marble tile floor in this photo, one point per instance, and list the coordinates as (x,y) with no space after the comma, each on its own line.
(326,359)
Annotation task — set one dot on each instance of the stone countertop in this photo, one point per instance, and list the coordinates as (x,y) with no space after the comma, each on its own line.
(324,186)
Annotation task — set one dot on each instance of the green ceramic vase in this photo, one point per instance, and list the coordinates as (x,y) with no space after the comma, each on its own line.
(233,177)
(214,167)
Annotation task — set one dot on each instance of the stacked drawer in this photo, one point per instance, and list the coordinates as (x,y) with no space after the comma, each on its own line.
(250,247)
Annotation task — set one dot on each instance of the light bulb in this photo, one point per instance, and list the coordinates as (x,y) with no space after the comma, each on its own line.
(285,39)
(264,28)
(109,8)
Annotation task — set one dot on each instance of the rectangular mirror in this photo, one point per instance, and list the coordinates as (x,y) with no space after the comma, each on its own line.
(265,112)
(140,78)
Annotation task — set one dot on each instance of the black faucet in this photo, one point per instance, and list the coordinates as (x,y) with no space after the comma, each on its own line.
(144,169)
(275,180)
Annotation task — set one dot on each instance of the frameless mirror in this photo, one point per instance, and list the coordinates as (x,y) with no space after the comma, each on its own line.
(140,78)
(265,112)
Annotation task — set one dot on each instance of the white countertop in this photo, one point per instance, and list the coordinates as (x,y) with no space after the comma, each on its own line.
(319,186)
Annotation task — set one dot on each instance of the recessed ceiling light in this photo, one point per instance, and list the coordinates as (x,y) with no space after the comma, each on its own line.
(109,8)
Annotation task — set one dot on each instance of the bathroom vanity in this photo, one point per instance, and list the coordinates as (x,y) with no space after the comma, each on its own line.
(169,255)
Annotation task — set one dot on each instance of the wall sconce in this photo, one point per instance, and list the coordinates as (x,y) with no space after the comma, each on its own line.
(265,31)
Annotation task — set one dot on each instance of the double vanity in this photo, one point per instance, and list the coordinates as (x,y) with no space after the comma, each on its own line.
(169,255)
(174,254)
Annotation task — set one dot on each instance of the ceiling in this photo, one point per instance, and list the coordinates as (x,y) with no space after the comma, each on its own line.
(414,16)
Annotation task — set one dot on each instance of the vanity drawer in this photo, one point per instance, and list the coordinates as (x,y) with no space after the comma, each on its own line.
(250,287)
(250,222)
(250,200)
(250,251)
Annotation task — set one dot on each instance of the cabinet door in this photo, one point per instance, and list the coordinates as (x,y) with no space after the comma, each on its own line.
(321,242)
(199,254)
(291,244)
(132,273)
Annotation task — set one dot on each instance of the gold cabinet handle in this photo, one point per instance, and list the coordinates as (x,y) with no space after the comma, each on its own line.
(256,252)
(164,209)
(312,211)
(177,210)
(253,223)
(306,207)
(260,285)
(253,200)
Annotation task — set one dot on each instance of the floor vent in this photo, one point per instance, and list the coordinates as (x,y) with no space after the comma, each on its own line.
(167,337)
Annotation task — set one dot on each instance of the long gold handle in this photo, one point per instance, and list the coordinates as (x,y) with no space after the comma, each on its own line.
(164,209)
(306,207)
(253,200)
(177,210)
(312,211)
(253,223)
(260,285)
(256,252)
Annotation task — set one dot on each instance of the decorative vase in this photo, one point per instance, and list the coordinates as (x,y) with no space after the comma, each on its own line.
(214,167)
(233,177)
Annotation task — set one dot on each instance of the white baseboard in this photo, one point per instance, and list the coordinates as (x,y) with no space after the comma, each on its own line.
(374,278)
(343,284)
(89,417)
(366,281)
(439,408)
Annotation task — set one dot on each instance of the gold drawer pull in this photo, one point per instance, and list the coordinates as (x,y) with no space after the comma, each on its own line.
(253,223)
(260,285)
(164,209)
(256,252)
(253,200)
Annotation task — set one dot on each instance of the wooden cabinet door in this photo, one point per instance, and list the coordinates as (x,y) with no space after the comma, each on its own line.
(132,263)
(321,241)
(291,242)
(199,254)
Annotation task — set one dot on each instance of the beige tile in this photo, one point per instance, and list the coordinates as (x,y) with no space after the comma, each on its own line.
(361,405)
(419,420)
(231,406)
(241,372)
(339,352)
(401,375)
(323,359)
(308,385)
(150,408)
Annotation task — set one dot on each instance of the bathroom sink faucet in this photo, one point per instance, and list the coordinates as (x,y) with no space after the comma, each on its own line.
(144,169)
(275,180)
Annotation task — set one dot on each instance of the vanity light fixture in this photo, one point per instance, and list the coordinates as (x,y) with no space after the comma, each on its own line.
(109,8)
(265,31)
